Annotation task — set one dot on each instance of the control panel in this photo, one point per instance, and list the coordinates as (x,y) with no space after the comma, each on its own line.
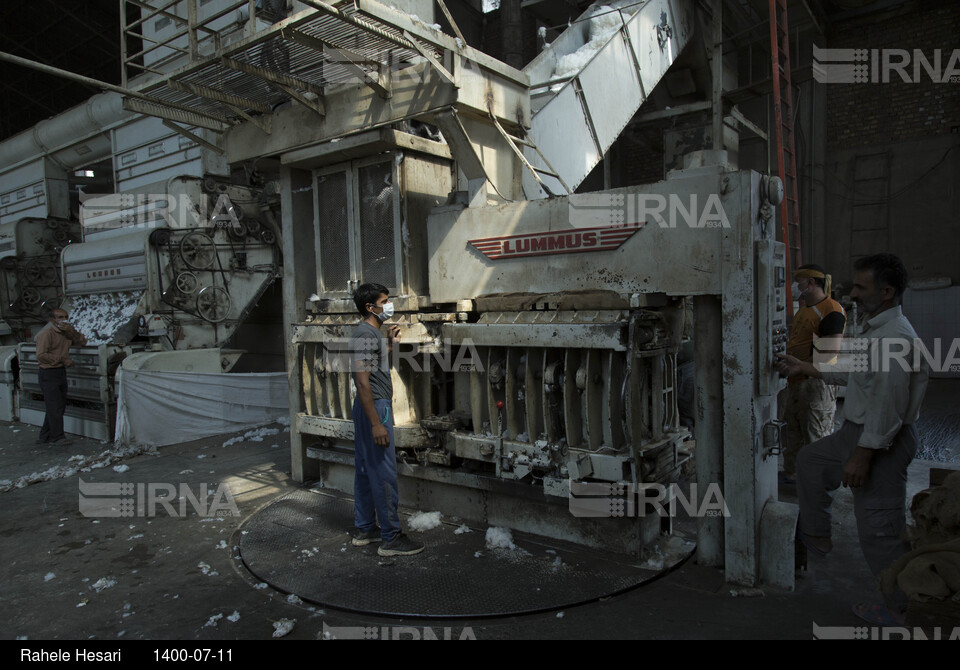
(772,333)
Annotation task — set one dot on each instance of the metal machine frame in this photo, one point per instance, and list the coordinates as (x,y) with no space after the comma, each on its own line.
(501,129)
(734,271)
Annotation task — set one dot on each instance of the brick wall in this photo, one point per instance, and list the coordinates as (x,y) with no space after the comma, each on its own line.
(878,113)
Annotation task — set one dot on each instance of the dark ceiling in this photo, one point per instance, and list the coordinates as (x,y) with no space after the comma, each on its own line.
(84,37)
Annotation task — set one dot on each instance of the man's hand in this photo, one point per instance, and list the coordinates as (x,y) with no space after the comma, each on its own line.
(393,336)
(74,335)
(857,470)
(67,363)
(381,436)
(788,366)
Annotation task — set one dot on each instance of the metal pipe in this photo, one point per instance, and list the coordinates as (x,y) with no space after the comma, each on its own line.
(83,124)
(717,91)
(48,69)
(811,238)
(123,43)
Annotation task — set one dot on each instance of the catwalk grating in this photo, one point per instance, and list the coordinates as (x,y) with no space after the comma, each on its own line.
(345,47)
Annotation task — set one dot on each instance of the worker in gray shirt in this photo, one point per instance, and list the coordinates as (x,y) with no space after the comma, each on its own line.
(878,439)
(376,493)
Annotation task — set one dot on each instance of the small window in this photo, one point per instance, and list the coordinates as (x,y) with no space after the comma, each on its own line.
(357,212)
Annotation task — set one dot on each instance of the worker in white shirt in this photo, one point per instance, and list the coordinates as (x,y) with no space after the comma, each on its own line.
(878,439)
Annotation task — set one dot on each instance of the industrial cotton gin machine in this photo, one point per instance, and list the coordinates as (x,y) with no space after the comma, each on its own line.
(167,274)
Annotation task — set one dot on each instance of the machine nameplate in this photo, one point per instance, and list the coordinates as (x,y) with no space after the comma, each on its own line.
(577,240)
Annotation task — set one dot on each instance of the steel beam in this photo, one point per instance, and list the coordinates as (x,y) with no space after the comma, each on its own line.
(219,96)
(162,111)
(272,76)
(193,137)
(351,61)
(128,93)
(430,58)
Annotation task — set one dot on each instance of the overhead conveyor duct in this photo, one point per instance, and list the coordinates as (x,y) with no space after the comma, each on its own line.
(72,139)
(587,85)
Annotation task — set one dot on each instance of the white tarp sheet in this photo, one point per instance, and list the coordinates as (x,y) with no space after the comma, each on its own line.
(161,408)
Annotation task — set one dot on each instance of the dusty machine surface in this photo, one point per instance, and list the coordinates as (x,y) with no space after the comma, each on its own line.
(540,329)
(30,285)
(30,278)
(544,358)
(541,333)
(161,272)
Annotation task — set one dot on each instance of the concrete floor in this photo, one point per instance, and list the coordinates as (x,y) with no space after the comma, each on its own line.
(70,576)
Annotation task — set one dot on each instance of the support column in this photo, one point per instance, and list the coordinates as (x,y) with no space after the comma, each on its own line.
(717,71)
(512,32)
(299,281)
(709,420)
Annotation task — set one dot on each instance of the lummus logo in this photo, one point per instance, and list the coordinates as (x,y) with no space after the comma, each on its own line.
(574,241)
(881,66)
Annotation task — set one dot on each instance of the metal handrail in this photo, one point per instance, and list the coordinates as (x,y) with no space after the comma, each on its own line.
(190,31)
(154,11)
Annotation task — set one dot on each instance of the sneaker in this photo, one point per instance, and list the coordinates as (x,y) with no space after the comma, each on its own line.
(401,545)
(62,442)
(363,538)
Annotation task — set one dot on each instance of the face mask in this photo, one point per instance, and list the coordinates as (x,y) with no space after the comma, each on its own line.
(795,290)
(387,312)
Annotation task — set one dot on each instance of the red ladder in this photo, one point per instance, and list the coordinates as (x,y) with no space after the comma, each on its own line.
(786,151)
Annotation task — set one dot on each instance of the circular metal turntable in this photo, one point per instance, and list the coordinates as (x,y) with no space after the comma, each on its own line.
(300,544)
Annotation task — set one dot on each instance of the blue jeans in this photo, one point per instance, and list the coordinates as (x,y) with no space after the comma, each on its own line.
(53,384)
(376,496)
